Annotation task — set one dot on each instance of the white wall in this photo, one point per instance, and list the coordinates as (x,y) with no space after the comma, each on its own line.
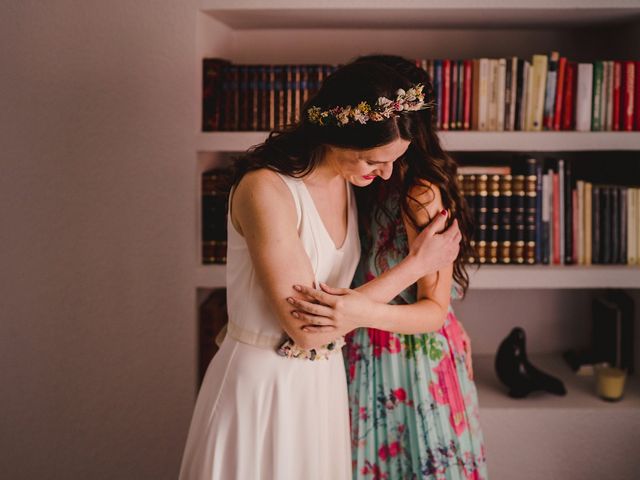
(97,117)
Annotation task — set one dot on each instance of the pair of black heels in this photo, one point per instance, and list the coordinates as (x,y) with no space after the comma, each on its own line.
(517,373)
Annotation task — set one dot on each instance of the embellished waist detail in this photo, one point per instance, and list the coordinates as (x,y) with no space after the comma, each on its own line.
(283,345)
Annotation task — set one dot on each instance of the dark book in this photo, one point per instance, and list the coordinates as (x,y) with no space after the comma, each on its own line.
(215,191)
(518,224)
(595,225)
(521,90)
(605,224)
(437,90)
(569,185)
(623,225)
(461,99)
(469,189)
(531,212)
(493,223)
(508,94)
(453,106)
(212,93)
(504,235)
(212,322)
(615,224)
(481,212)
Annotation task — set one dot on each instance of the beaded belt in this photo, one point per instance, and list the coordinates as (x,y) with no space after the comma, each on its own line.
(283,346)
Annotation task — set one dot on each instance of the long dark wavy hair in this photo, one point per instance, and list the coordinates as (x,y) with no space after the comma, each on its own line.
(297,149)
(425,161)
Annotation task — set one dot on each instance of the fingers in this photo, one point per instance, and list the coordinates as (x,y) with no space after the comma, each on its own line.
(319,295)
(333,290)
(309,320)
(312,308)
(437,224)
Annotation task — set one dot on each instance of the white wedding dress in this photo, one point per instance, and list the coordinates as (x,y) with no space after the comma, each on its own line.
(259,415)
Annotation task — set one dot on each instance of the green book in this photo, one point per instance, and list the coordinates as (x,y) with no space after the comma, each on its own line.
(597,117)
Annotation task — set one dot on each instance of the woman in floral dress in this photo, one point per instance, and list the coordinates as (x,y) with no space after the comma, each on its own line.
(413,402)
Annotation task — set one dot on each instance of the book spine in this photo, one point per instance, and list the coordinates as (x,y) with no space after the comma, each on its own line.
(493,87)
(453,107)
(468,82)
(622,238)
(505,219)
(559,100)
(469,189)
(617,85)
(531,215)
(501,93)
(550,93)
(520,89)
(437,86)
(568,212)
(636,96)
(538,226)
(605,224)
(540,63)
(584,97)
(588,223)
(632,217)
(481,217)
(446,94)
(614,209)
(508,76)
(483,95)
(580,230)
(609,96)
(568,117)
(546,217)
(596,118)
(595,228)
(493,223)
(519,215)
(461,88)
(555,214)
(628,96)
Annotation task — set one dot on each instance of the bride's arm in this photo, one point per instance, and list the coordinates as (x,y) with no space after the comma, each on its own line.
(263,212)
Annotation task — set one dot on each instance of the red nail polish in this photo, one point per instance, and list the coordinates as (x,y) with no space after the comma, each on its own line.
(443,213)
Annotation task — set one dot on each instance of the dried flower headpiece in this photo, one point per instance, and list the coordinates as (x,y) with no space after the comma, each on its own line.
(406,101)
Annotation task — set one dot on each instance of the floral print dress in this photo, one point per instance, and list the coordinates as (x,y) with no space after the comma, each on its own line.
(414,410)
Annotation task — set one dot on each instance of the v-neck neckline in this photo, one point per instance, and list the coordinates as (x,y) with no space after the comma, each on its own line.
(324,227)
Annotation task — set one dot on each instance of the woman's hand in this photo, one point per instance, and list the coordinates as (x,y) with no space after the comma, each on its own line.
(434,249)
(331,309)
(466,343)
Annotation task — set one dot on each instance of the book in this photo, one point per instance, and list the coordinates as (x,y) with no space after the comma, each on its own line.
(584,97)
(493,223)
(596,105)
(536,95)
(504,241)
(588,215)
(550,93)
(518,225)
(215,191)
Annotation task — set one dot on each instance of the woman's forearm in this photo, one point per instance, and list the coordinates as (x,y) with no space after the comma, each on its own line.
(423,316)
(387,286)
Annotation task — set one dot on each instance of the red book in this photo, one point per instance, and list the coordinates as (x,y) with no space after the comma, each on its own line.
(446,92)
(453,107)
(617,80)
(569,95)
(628,94)
(467,93)
(636,96)
(556,219)
(557,115)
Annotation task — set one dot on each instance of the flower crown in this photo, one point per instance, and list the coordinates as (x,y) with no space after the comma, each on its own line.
(406,101)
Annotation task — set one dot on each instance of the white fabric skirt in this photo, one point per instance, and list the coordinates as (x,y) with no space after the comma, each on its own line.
(260,416)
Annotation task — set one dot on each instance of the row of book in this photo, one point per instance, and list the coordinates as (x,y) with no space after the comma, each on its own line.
(542,216)
(545,216)
(547,92)
(256,97)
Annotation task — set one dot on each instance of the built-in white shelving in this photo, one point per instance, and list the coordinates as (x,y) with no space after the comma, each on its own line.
(505,277)
(465,141)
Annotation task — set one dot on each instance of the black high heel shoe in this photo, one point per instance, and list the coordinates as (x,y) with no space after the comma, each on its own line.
(517,373)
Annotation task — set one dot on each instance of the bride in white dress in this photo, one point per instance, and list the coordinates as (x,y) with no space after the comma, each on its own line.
(273,403)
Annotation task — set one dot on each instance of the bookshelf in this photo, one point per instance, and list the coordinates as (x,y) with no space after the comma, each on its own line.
(332,31)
